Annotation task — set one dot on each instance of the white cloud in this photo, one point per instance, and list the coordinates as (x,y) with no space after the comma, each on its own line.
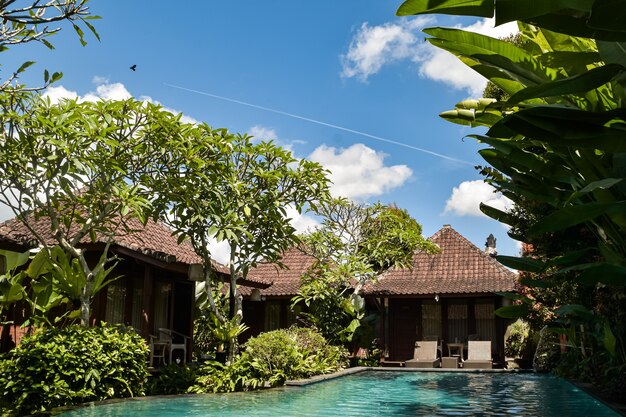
(105,91)
(112,91)
(220,251)
(372,47)
(5,213)
(261,133)
(56,94)
(301,222)
(97,79)
(466,198)
(358,172)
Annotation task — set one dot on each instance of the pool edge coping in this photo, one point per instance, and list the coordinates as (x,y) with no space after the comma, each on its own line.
(358,369)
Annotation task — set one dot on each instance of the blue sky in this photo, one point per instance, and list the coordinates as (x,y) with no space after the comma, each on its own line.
(328,69)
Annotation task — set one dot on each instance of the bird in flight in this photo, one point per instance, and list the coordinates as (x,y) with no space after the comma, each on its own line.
(133,67)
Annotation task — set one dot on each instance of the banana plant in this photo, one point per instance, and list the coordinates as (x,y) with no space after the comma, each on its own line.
(555,143)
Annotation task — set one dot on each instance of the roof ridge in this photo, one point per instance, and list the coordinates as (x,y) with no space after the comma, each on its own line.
(472,246)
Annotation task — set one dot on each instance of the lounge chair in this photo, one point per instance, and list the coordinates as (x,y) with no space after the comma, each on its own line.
(439,343)
(425,355)
(478,355)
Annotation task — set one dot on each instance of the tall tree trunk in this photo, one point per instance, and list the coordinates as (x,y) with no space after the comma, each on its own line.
(85,302)
(235,306)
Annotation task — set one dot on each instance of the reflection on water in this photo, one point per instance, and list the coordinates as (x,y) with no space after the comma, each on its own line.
(381,393)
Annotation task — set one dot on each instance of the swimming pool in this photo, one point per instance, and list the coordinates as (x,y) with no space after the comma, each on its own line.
(384,393)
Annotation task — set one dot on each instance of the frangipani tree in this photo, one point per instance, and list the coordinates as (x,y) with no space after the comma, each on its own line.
(75,169)
(23,22)
(355,245)
(231,189)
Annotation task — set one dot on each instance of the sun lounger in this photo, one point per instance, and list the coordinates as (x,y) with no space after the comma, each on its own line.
(478,355)
(425,355)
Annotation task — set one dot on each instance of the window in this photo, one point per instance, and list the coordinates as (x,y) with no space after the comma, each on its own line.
(135,318)
(272,316)
(457,321)
(3,264)
(162,305)
(116,304)
(431,319)
(485,320)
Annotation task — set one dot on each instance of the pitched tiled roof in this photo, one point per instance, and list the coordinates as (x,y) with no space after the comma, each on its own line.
(459,268)
(286,281)
(154,239)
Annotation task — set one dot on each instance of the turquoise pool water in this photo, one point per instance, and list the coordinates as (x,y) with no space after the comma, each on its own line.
(381,394)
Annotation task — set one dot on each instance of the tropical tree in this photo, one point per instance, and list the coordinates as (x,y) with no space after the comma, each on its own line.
(355,245)
(70,173)
(24,22)
(556,147)
(230,189)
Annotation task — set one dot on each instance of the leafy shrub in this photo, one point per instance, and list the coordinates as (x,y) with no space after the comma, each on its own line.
(516,342)
(172,379)
(272,358)
(71,365)
(217,377)
(293,353)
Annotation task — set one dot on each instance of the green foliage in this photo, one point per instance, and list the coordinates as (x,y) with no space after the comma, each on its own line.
(293,353)
(354,245)
(173,379)
(81,167)
(71,365)
(556,147)
(272,358)
(26,23)
(515,343)
(226,187)
(391,237)
(237,375)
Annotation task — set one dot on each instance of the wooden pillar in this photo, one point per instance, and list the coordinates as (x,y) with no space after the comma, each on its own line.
(147,306)
(500,330)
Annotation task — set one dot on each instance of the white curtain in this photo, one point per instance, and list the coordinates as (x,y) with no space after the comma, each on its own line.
(162,305)
(272,316)
(457,321)
(431,319)
(485,320)
(116,304)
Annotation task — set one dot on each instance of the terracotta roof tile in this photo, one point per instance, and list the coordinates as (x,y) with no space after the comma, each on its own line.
(154,239)
(459,268)
(286,281)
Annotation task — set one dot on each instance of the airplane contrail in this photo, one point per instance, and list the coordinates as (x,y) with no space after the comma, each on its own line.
(319,122)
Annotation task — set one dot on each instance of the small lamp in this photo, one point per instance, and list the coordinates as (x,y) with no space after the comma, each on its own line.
(255,295)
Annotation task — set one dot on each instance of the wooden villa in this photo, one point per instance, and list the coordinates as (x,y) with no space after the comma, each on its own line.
(155,290)
(450,296)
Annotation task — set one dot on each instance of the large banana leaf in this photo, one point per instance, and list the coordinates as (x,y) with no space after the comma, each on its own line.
(510,10)
(522,264)
(608,15)
(573,215)
(567,127)
(580,83)
(483,8)
(497,214)
(510,61)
